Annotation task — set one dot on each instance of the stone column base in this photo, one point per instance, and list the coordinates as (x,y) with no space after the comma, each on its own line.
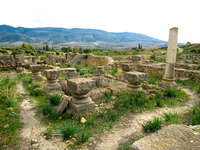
(20,69)
(81,106)
(134,87)
(37,77)
(168,83)
(52,88)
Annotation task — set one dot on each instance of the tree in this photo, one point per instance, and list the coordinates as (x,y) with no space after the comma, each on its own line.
(27,46)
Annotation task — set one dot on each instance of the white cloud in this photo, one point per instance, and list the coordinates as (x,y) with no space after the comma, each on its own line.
(150,17)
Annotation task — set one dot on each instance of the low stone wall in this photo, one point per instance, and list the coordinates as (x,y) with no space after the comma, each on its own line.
(88,59)
(159,71)
(55,59)
(190,58)
(7,61)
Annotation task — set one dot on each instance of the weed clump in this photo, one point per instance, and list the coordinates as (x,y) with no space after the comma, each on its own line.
(172,118)
(54,99)
(69,130)
(195,117)
(152,126)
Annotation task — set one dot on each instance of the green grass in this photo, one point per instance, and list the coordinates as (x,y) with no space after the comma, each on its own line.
(172,118)
(69,130)
(107,96)
(195,116)
(48,134)
(127,145)
(192,84)
(9,114)
(84,135)
(152,126)
(134,101)
(153,79)
(54,99)
(105,119)
(131,100)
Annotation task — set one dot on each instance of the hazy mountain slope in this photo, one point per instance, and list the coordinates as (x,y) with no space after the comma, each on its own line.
(62,35)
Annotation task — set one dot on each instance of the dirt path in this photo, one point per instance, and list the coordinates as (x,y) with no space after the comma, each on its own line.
(32,131)
(111,140)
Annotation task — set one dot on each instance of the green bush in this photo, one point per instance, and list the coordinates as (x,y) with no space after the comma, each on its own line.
(159,96)
(90,121)
(69,130)
(113,115)
(35,85)
(131,100)
(152,126)
(68,65)
(107,96)
(47,109)
(153,79)
(114,70)
(171,92)
(101,114)
(195,118)
(10,102)
(82,73)
(78,68)
(48,134)
(192,84)
(36,92)
(153,57)
(172,118)
(159,102)
(54,114)
(54,99)
(198,89)
(84,136)
(92,69)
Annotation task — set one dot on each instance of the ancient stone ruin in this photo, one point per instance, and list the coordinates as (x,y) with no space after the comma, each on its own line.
(169,75)
(80,87)
(88,95)
(71,73)
(35,69)
(100,70)
(52,85)
(135,79)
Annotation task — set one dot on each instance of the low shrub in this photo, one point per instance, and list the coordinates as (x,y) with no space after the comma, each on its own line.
(131,100)
(172,118)
(153,79)
(68,65)
(10,102)
(90,121)
(152,126)
(54,99)
(170,92)
(113,115)
(78,68)
(69,130)
(36,92)
(48,134)
(195,117)
(107,96)
(84,136)
(47,109)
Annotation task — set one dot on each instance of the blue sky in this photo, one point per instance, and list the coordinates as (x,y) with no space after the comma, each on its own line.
(150,17)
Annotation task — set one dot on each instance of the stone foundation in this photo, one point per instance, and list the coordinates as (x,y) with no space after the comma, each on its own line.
(159,71)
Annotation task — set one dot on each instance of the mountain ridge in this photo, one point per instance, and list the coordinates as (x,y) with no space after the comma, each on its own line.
(64,36)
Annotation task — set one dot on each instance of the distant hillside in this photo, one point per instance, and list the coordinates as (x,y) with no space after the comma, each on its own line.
(74,37)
